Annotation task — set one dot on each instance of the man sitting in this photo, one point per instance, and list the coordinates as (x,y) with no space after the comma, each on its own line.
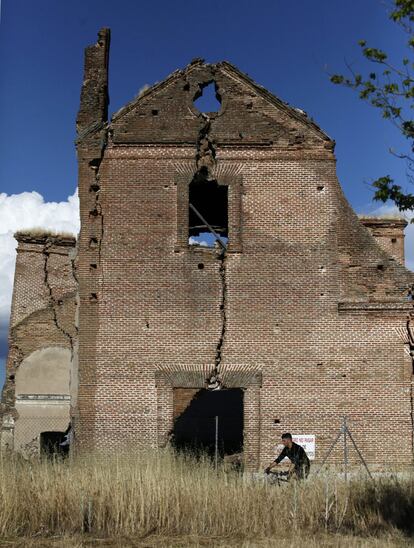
(296,454)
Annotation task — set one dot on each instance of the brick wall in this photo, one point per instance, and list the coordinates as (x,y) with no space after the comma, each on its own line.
(389,233)
(306,313)
(42,318)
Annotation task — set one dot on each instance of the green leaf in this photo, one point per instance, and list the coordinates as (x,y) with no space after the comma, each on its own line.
(337,79)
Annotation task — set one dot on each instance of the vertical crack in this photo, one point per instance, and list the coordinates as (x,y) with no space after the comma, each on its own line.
(223,312)
(52,300)
(206,153)
(206,161)
(410,338)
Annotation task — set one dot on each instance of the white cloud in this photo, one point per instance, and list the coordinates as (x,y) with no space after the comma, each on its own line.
(197,241)
(388,210)
(24,211)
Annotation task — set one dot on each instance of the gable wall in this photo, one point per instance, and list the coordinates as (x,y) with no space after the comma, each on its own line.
(303,314)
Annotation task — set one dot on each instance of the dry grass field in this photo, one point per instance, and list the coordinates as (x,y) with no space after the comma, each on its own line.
(162,499)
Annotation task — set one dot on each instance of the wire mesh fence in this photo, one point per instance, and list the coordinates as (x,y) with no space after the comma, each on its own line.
(37,435)
(367,442)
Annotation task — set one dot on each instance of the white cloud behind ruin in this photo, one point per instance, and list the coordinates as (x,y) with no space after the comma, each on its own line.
(24,211)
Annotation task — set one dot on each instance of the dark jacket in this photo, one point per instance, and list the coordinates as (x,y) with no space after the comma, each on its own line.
(297,455)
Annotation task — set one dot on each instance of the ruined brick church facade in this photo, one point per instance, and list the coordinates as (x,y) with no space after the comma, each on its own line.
(299,311)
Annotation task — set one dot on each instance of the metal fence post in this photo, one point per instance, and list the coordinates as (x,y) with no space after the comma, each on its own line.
(216,443)
(345,432)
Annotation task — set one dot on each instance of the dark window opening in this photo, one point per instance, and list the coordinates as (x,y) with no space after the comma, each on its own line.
(208,100)
(208,211)
(195,428)
(51,444)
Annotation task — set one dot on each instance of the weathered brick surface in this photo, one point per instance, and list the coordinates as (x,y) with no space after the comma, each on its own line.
(312,302)
(306,311)
(43,308)
(389,233)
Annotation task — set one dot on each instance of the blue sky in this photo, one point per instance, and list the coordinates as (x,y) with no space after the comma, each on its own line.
(288,47)
(285,46)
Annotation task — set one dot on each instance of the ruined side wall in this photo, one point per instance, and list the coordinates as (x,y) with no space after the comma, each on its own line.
(41,338)
(389,233)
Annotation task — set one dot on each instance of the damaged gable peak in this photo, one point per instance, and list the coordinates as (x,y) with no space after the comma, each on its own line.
(233,72)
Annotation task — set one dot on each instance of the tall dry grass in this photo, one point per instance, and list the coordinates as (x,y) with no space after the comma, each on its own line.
(162,493)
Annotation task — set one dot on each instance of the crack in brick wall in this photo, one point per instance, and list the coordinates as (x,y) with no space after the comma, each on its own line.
(410,338)
(206,153)
(223,313)
(206,162)
(53,303)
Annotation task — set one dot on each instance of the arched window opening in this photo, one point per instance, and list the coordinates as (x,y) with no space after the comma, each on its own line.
(209,100)
(208,212)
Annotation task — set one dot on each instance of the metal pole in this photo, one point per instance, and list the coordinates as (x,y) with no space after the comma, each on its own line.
(329,451)
(359,454)
(211,229)
(216,444)
(345,430)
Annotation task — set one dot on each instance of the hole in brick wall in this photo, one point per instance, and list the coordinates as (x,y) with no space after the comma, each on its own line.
(249,106)
(94,164)
(154,112)
(277,421)
(94,212)
(320,188)
(50,444)
(93,266)
(186,87)
(11,377)
(393,240)
(211,202)
(60,302)
(93,297)
(200,266)
(93,243)
(195,426)
(380,267)
(94,187)
(207,99)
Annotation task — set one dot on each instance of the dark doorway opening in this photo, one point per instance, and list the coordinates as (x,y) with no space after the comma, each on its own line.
(50,444)
(195,428)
